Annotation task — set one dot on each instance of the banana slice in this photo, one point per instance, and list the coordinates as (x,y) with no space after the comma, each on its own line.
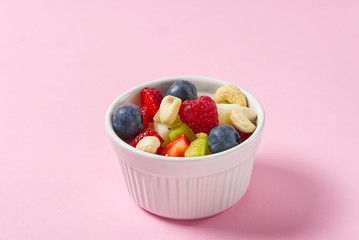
(230,94)
(243,119)
(169,109)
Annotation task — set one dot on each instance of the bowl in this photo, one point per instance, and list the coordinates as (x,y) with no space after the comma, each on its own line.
(186,188)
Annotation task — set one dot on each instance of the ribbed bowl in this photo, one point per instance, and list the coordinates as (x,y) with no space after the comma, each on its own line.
(186,188)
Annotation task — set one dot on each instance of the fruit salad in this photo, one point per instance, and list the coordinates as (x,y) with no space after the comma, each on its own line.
(182,124)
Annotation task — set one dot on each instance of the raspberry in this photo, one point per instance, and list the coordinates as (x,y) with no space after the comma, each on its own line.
(145,133)
(151,97)
(200,115)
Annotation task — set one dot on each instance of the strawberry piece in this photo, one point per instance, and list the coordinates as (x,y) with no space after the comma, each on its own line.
(243,136)
(146,116)
(151,98)
(145,133)
(177,147)
(200,115)
(160,149)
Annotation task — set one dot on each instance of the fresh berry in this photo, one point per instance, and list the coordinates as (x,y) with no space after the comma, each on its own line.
(200,115)
(183,90)
(127,121)
(146,116)
(177,147)
(243,136)
(151,98)
(222,138)
(146,133)
(160,149)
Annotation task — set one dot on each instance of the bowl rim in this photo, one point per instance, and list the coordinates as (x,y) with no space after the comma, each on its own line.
(119,142)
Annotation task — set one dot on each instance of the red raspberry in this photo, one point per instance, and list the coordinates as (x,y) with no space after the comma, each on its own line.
(151,98)
(146,133)
(200,115)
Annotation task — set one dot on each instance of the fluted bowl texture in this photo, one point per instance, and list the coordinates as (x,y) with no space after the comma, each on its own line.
(186,188)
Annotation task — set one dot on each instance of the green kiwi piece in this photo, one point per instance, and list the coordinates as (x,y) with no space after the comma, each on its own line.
(198,147)
(178,130)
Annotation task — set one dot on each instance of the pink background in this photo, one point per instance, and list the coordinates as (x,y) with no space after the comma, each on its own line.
(63,62)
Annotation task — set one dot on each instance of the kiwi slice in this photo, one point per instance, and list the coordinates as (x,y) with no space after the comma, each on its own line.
(182,128)
(198,147)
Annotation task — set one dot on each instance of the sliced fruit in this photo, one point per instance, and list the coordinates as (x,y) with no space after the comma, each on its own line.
(163,130)
(224,113)
(151,97)
(198,147)
(151,125)
(159,149)
(243,136)
(177,147)
(178,130)
(146,116)
(146,133)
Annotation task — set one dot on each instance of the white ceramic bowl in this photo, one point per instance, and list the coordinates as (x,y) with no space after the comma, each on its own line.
(186,188)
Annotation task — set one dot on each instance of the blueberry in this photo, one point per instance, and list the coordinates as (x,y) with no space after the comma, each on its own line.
(183,90)
(127,121)
(222,138)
